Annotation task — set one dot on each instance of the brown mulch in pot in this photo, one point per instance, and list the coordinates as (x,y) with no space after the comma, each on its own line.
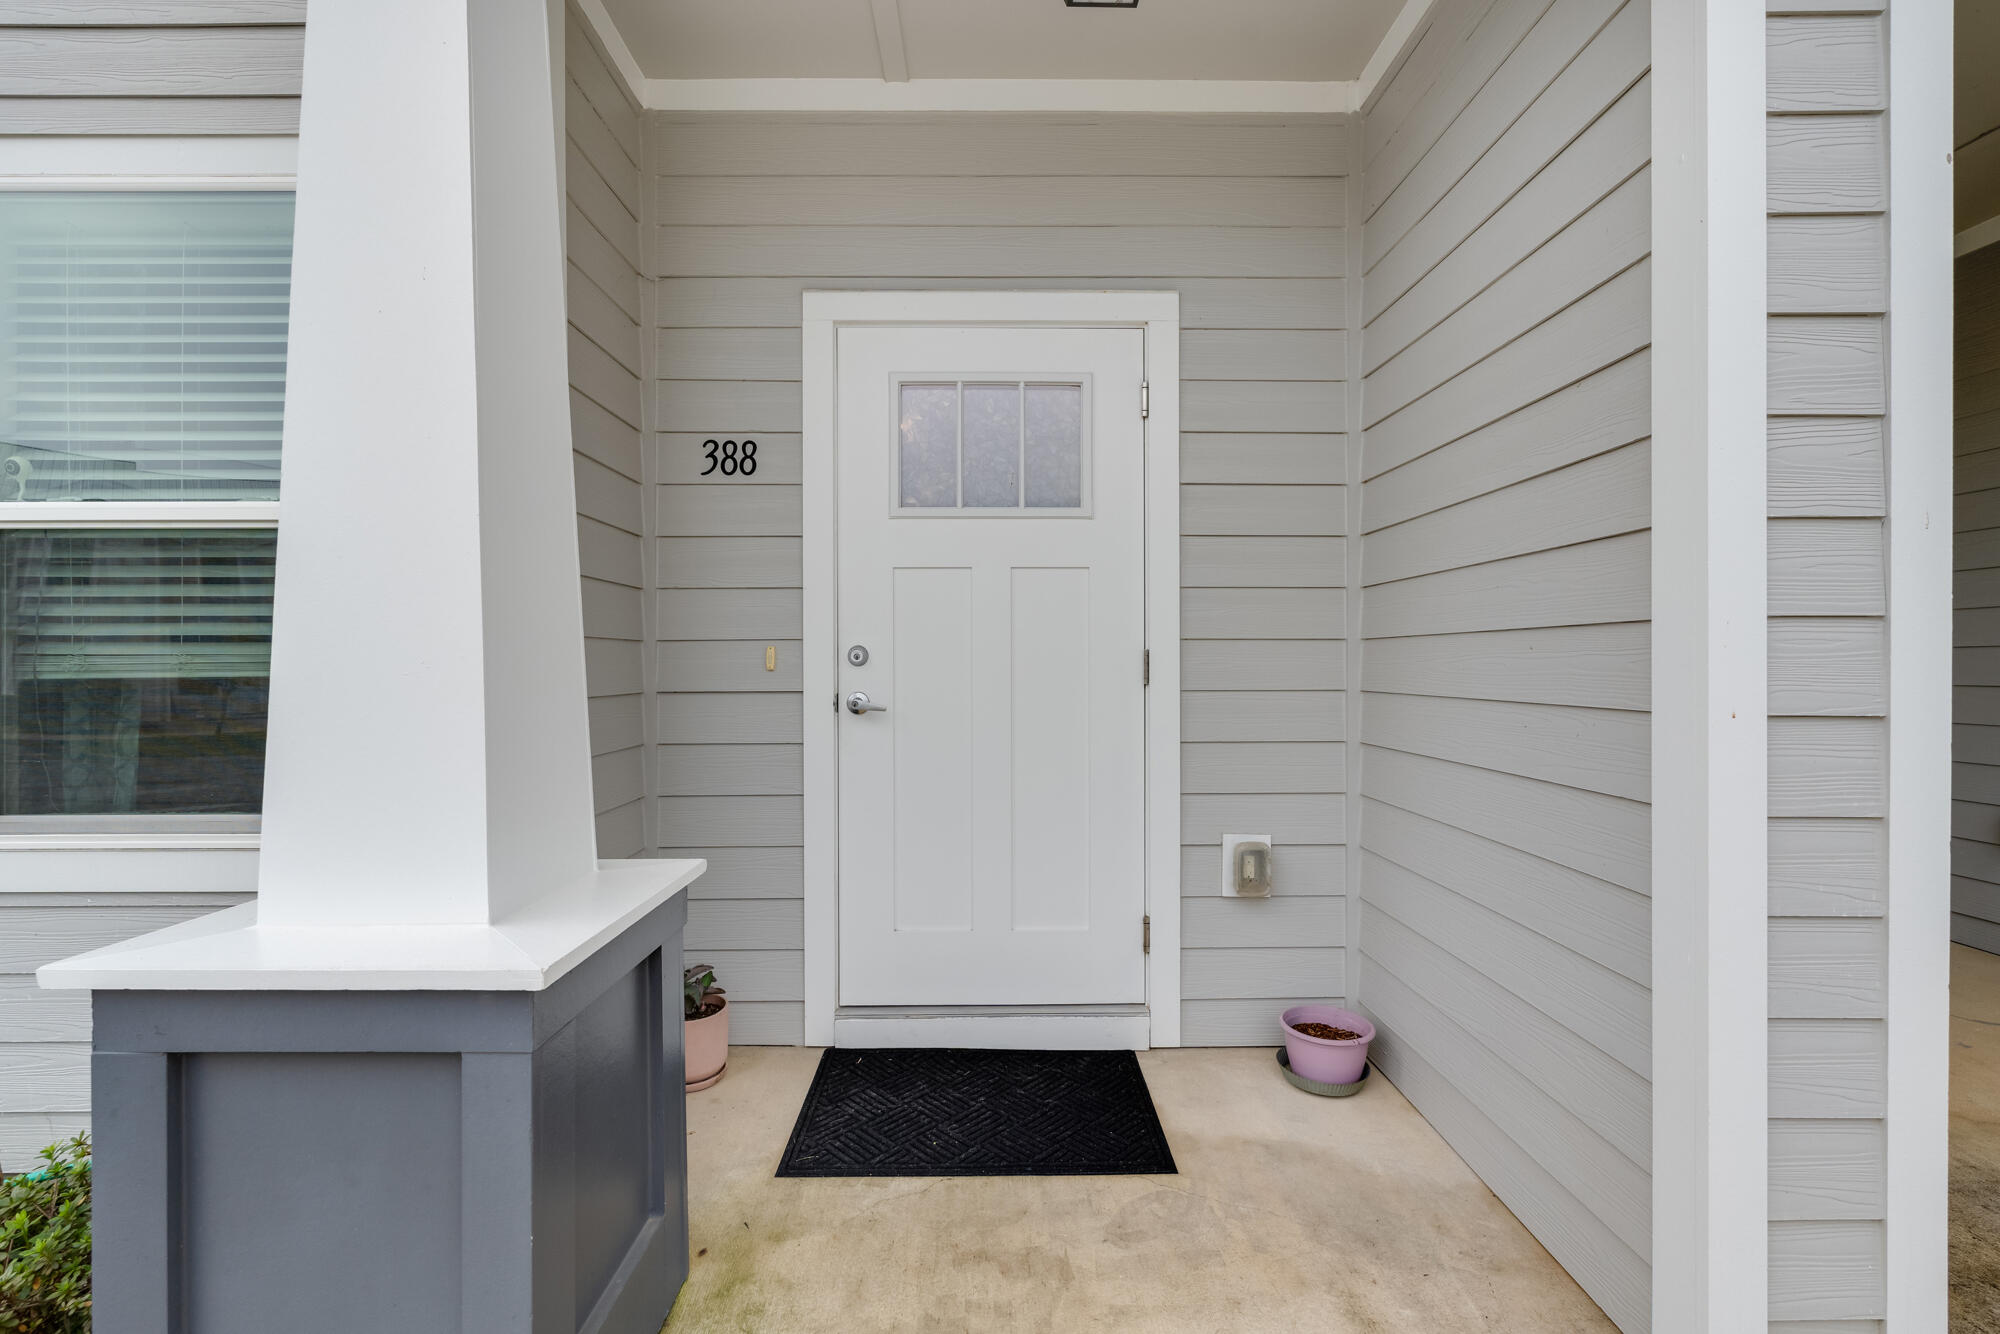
(1326,1031)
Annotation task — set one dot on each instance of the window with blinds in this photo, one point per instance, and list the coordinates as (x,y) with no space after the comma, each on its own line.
(143,338)
(142,368)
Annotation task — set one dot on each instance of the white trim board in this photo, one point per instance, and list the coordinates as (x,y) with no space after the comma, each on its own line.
(1919,534)
(896,91)
(148,162)
(1158,314)
(1710,1083)
(1976,237)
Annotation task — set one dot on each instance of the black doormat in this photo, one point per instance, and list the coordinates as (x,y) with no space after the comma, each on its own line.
(941,1112)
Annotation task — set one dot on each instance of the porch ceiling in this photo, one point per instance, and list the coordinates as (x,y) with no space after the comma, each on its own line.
(1303,40)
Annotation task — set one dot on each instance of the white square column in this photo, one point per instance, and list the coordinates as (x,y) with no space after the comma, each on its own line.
(428,758)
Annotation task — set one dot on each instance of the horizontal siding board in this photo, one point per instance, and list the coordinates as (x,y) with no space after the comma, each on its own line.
(1599,1091)
(1263,613)
(1596,919)
(1825,467)
(149,116)
(1262,715)
(1828,1270)
(1600,497)
(761,251)
(1276,922)
(738,924)
(1590,666)
(33,936)
(1829,767)
(1826,567)
(1590,417)
(1592,583)
(1606,837)
(731,769)
(1223,974)
(1598,750)
(1603,1007)
(696,302)
(1298,511)
(1262,664)
(724,719)
(1828,266)
(1240,1021)
(1265,766)
(1826,868)
(1827,1170)
(1829,666)
(1263,562)
(1263,458)
(1826,164)
(1826,364)
(1833,968)
(1263,405)
(1287,818)
(700,666)
(151,61)
(1822,63)
(746,873)
(1827,1068)
(945,144)
(961,199)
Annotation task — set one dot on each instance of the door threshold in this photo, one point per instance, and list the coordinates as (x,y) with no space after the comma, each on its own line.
(1008,1027)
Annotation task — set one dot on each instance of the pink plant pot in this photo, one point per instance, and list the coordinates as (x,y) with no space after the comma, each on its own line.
(707,1049)
(1324,1060)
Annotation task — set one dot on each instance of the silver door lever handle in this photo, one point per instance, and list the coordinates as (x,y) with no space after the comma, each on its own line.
(858,702)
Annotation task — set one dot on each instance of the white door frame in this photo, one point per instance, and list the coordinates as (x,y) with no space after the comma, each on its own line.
(1157,314)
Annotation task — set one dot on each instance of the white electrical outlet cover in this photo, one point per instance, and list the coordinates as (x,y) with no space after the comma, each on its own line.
(1229,845)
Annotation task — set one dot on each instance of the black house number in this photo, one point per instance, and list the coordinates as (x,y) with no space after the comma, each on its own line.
(730,458)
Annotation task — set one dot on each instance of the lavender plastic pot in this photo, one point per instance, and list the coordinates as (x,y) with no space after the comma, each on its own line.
(1321,1059)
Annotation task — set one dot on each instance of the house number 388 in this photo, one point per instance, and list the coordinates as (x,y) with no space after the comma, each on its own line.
(729,458)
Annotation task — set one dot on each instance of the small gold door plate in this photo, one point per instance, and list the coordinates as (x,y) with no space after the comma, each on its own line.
(770,657)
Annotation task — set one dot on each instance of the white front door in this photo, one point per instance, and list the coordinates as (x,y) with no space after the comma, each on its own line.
(990,485)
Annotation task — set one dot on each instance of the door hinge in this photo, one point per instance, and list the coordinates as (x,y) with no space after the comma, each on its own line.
(1146,668)
(1146,934)
(1145,399)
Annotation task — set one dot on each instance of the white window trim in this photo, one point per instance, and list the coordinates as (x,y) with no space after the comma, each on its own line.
(139,861)
(1158,315)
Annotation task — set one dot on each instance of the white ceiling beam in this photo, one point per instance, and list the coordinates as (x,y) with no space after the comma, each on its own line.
(889,40)
(1976,237)
(598,20)
(1149,95)
(1401,36)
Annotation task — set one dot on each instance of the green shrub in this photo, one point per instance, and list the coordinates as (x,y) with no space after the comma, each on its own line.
(45,1244)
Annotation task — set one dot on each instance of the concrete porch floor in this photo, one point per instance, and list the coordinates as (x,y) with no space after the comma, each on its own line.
(1975,1141)
(1290,1212)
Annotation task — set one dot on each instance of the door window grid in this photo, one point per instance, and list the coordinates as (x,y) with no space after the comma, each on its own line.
(990,447)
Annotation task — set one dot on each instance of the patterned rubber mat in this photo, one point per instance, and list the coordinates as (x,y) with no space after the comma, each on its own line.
(938,1112)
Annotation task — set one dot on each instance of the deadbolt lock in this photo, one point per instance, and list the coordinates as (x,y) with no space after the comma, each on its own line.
(858,655)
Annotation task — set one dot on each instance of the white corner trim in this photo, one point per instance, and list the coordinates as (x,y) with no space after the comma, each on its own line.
(1976,237)
(1402,34)
(140,162)
(1144,95)
(598,19)
(1710,697)
(1158,314)
(1919,535)
(889,40)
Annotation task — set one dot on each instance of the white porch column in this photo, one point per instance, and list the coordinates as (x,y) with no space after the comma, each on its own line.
(428,758)
(1710,858)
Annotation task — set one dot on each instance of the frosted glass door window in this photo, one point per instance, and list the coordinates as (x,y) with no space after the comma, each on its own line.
(1014,446)
(927,461)
(1055,446)
(142,345)
(992,446)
